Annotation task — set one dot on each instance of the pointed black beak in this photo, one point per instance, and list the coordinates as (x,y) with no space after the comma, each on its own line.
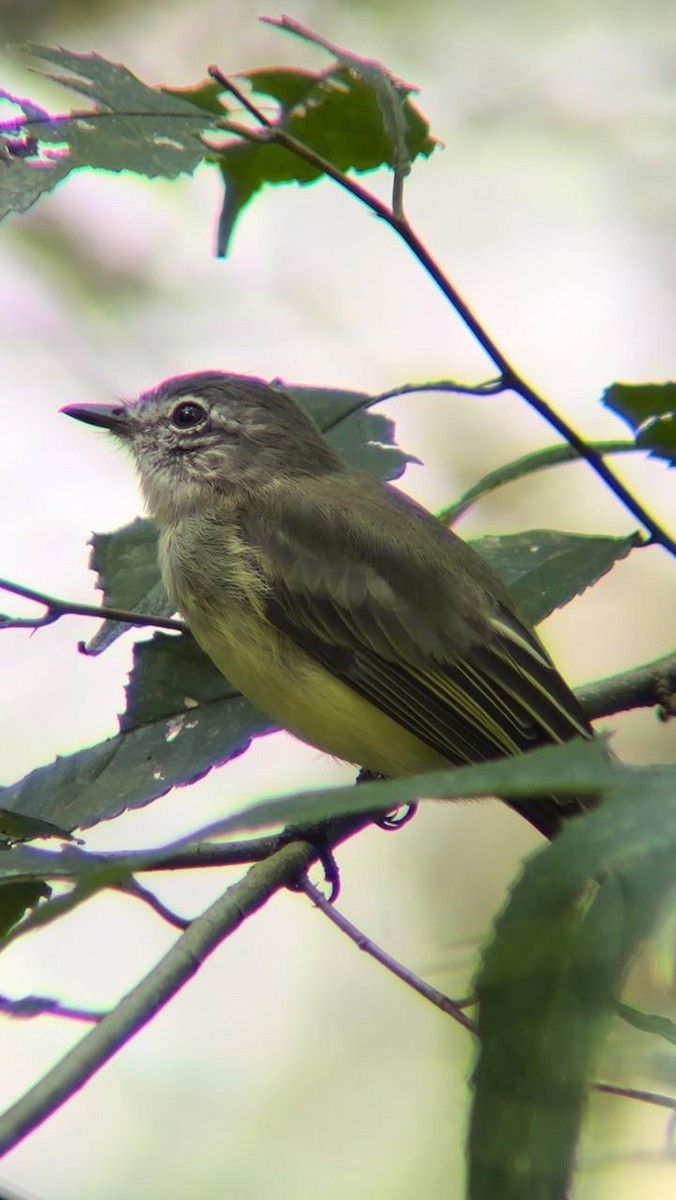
(113,417)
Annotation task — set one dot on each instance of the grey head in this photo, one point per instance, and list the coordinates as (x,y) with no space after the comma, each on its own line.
(195,437)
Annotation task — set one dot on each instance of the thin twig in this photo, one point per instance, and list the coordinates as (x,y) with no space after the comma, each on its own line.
(491,387)
(629,1093)
(230,86)
(132,887)
(510,378)
(453,1008)
(426,990)
(65,608)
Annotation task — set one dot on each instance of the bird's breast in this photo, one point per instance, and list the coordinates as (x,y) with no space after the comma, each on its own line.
(221,593)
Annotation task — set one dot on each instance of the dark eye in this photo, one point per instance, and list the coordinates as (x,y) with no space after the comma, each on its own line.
(188,413)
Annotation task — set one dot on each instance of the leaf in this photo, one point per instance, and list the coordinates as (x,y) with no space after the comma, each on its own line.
(24,864)
(582,767)
(131,127)
(16,899)
(126,561)
(638,402)
(659,438)
(521,468)
(338,114)
(549,981)
(141,764)
(16,828)
(109,84)
(128,575)
(365,440)
(545,569)
(391,93)
(127,566)
(653,1023)
(171,678)
(24,180)
(207,95)
(650,411)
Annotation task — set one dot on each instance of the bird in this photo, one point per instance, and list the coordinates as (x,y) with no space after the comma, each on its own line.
(345,611)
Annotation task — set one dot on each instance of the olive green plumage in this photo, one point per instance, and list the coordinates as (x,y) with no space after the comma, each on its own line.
(344,610)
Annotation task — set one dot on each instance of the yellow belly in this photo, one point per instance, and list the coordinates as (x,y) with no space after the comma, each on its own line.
(303,697)
(273,673)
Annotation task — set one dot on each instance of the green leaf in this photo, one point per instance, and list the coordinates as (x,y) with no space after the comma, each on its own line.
(171,678)
(584,765)
(126,561)
(391,92)
(17,828)
(638,402)
(521,468)
(653,1023)
(545,569)
(364,439)
(338,114)
(207,95)
(137,766)
(26,864)
(581,767)
(131,127)
(658,437)
(24,180)
(549,982)
(126,566)
(128,575)
(109,84)
(16,899)
(650,410)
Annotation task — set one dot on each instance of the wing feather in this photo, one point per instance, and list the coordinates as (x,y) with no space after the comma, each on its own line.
(455,667)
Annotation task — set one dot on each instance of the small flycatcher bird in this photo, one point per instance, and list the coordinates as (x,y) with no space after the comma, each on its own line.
(343,610)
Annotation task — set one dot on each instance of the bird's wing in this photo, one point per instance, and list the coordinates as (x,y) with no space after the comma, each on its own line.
(465,676)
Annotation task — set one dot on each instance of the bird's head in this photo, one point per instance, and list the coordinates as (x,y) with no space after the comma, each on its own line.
(195,437)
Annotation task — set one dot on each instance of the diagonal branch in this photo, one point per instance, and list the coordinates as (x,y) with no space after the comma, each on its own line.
(426,990)
(141,1004)
(509,377)
(204,934)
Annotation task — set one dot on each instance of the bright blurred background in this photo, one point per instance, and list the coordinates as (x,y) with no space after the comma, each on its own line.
(292,1066)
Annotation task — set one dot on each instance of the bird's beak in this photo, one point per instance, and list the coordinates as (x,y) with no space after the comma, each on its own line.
(113,417)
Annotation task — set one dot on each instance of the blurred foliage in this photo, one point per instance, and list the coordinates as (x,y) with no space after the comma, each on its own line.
(23,19)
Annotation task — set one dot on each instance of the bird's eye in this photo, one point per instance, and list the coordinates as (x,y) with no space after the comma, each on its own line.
(188,414)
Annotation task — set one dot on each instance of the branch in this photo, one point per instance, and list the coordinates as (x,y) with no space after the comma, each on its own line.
(65,608)
(141,1004)
(426,990)
(509,377)
(203,935)
(446,1005)
(641,687)
(490,387)
(133,888)
(629,1093)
